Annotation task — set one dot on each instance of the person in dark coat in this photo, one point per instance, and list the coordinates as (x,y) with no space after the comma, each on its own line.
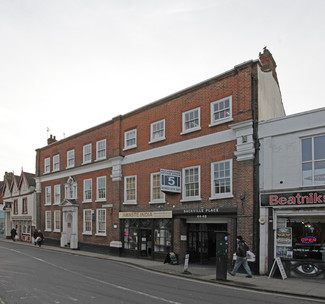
(40,238)
(13,233)
(35,235)
(241,258)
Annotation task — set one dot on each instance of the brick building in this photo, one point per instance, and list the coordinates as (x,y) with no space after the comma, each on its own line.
(101,188)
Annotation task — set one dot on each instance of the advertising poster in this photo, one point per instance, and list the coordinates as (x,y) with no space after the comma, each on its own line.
(284,237)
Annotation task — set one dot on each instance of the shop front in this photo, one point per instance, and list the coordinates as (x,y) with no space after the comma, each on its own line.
(296,231)
(147,234)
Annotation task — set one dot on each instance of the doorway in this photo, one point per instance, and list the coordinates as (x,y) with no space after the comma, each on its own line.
(145,242)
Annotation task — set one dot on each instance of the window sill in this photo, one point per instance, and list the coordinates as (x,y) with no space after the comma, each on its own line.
(226,195)
(86,162)
(156,140)
(87,233)
(157,202)
(190,200)
(220,122)
(99,159)
(191,131)
(57,231)
(101,234)
(101,200)
(129,148)
(86,202)
(47,205)
(130,203)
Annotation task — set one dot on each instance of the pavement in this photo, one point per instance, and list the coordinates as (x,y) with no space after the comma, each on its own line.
(307,288)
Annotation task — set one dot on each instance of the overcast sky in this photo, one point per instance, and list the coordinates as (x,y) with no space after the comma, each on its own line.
(68,65)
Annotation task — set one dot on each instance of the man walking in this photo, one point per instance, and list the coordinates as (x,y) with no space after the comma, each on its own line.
(241,258)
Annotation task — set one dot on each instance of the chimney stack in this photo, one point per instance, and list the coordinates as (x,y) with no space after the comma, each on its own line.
(267,62)
(51,140)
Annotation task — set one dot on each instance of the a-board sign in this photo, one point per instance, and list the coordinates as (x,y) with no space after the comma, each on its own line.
(170,181)
(171,258)
(278,262)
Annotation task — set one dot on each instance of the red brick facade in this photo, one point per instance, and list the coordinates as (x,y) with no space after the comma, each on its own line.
(207,144)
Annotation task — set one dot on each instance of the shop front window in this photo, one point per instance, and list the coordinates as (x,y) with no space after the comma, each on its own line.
(130,234)
(301,238)
(162,235)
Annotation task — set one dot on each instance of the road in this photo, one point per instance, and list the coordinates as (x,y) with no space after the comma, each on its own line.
(35,275)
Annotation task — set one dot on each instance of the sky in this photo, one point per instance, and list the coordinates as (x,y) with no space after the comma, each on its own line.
(69,65)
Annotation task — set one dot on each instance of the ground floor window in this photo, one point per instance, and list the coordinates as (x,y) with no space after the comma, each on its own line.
(301,237)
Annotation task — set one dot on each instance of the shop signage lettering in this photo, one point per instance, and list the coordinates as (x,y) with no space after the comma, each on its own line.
(152,214)
(293,199)
(308,240)
(204,211)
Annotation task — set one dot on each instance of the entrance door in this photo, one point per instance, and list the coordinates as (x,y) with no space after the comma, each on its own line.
(145,242)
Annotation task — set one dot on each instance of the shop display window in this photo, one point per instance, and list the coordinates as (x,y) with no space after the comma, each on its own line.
(301,238)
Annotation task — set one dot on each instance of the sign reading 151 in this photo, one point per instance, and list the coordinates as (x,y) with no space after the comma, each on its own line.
(170,181)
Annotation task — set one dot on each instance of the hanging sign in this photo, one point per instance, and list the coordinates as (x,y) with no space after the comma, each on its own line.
(170,181)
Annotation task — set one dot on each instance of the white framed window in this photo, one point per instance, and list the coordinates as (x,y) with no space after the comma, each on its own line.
(101,149)
(71,189)
(221,111)
(191,121)
(130,190)
(156,196)
(70,159)
(57,221)
(101,188)
(313,160)
(130,139)
(157,131)
(48,221)
(101,222)
(87,221)
(191,184)
(86,154)
(57,194)
(88,186)
(221,179)
(48,195)
(47,165)
(56,162)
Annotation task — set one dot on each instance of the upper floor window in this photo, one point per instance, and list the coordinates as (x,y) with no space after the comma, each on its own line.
(101,188)
(101,221)
(157,131)
(191,184)
(87,221)
(130,139)
(70,159)
(87,153)
(57,194)
(156,196)
(221,111)
(24,207)
(221,179)
(47,165)
(130,189)
(48,195)
(15,207)
(101,149)
(56,162)
(88,184)
(191,120)
(71,189)
(313,161)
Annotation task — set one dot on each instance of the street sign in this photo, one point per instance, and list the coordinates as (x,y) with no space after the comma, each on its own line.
(170,181)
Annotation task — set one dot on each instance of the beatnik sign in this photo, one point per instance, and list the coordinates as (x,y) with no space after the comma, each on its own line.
(299,199)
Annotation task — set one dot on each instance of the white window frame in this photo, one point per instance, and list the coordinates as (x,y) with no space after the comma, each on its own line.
(224,119)
(100,199)
(126,189)
(153,137)
(185,197)
(47,165)
(313,162)
(162,199)
(99,221)
(87,200)
(100,151)
(57,221)
(71,190)
(56,162)
(70,158)
(48,196)
(185,121)
(85,220)
(57,194)
(223,177)
(130,136)
(87,153)
(48,220)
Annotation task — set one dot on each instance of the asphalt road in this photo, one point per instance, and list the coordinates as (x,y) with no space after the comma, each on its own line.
(34,275)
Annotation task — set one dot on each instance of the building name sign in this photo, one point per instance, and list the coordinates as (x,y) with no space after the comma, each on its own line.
(293,199)
(142,215)
(205,211)
(170,181)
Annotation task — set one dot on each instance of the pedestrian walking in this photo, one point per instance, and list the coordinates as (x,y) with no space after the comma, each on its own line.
(13,233)
(35,235)
(241,257)
(40,238)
